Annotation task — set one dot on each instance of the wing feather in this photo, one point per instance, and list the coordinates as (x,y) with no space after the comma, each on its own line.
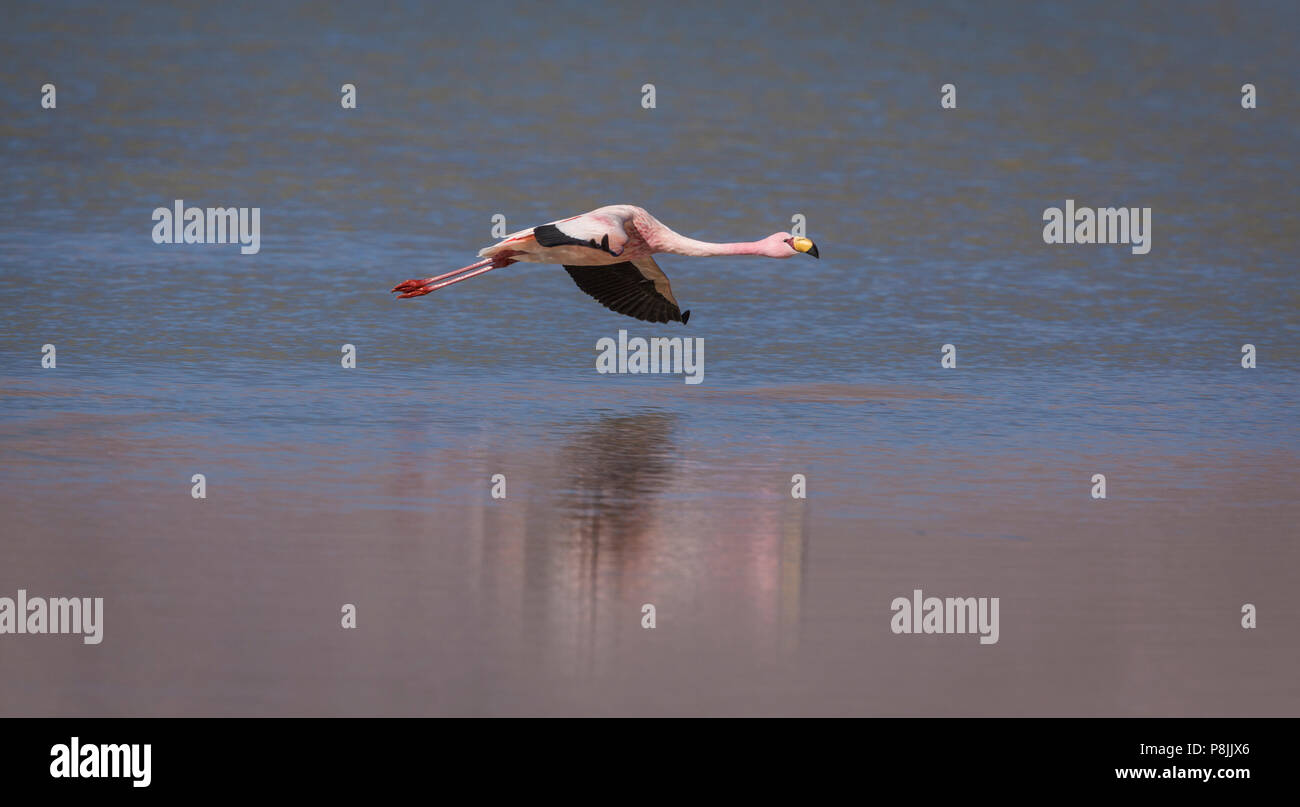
(593,230)
(636,288)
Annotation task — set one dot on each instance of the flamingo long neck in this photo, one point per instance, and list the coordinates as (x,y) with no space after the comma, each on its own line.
(679,244)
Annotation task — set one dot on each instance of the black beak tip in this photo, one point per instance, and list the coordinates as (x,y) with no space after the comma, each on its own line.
(813,252)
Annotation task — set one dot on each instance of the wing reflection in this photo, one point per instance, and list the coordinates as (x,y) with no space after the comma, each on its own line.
(621,517)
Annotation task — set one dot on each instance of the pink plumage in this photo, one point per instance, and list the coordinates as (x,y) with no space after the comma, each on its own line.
(609,254)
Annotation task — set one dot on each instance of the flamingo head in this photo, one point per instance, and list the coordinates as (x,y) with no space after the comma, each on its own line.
(785,245)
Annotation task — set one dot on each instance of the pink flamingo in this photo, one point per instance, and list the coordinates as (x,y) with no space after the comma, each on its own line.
(609,254)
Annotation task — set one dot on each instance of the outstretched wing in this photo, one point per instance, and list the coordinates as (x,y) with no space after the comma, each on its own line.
(636,288)
(600,230)
(604,229)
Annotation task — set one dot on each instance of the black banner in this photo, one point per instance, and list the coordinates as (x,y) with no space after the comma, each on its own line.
(235,756)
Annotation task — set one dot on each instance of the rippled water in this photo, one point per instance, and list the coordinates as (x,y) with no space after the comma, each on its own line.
(370,485)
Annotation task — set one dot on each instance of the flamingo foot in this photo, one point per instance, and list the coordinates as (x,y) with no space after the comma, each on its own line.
(411,285)
(415,292)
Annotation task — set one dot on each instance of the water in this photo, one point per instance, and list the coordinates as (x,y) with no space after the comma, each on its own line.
(371,486)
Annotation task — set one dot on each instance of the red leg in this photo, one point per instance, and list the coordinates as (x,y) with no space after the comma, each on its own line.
(411,285)
(419,288)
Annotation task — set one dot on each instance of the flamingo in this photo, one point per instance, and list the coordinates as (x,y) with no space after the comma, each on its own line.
(609,253)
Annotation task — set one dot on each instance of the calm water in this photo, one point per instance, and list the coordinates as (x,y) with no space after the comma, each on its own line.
(370,486)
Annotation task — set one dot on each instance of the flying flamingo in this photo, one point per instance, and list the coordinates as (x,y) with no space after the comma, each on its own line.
(609,254)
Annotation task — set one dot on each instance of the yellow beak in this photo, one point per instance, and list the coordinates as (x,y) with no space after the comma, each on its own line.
(804,245)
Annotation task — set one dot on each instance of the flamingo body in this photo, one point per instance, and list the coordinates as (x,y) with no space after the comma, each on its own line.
(609,252)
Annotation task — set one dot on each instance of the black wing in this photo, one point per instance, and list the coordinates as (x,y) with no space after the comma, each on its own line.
(548,235)
(625,288)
